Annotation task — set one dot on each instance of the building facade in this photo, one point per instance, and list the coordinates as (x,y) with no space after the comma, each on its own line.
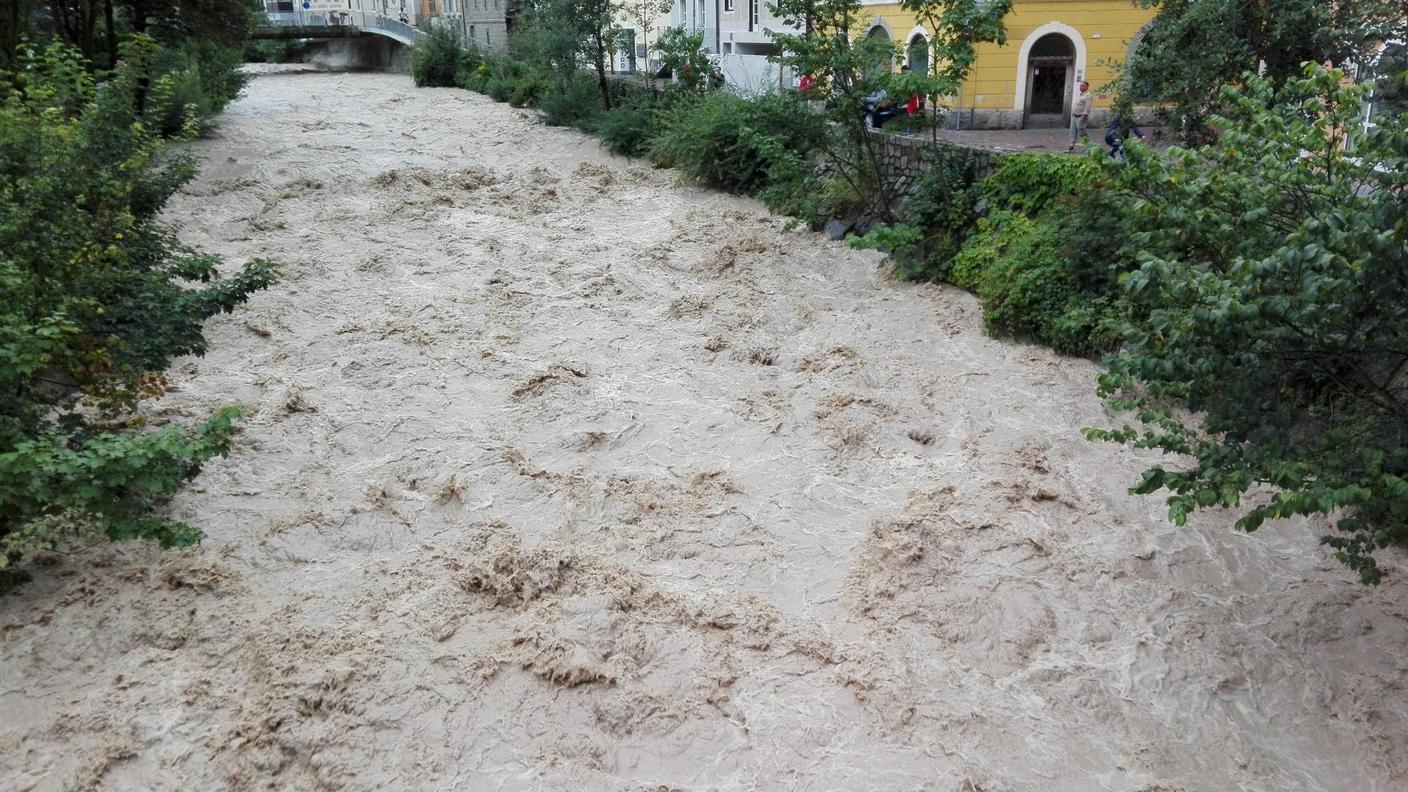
(483,24)
(698,16)
(1030,82)
(636,52)
(745,46)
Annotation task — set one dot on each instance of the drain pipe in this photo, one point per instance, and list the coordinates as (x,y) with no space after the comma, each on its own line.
(718,36)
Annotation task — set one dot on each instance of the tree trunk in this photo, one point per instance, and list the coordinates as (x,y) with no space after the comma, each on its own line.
(109,22)
(88,18)
(601,69)
(12,33)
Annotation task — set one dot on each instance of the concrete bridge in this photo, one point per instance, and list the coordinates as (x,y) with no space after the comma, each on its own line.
(333,25)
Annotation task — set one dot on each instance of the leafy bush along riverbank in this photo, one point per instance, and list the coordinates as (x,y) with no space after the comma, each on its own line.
(1259,282)
(96,297)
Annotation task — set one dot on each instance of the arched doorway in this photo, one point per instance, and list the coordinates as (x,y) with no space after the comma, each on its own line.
(919,54)
(1050,78)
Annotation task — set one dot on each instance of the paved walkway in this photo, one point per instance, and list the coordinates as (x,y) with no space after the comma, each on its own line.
(1009,140)
(1004,139)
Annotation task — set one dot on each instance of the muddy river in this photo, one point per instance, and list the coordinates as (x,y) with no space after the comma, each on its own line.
(559,475)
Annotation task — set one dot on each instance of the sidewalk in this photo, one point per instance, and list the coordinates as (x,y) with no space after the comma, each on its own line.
(1005,140)
(1013,140)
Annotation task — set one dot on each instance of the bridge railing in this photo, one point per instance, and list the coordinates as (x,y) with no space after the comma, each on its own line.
(395,27)
(361,20)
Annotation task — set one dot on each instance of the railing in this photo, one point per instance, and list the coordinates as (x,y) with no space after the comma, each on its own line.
(368,21)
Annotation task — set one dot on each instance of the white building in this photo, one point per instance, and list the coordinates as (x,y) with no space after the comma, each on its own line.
(699,16)
(744,47)
(637,52)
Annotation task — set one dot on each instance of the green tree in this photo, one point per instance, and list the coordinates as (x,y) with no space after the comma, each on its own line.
(599,39)
(96,297)
(846,68)
(955,28)
(683,54)
(643,14)
(96,28)
(564,35)
(1269,353)
(435,59)
(1193,47)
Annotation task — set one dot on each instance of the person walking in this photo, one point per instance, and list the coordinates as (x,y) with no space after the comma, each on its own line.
(1117,132)
(1080,115)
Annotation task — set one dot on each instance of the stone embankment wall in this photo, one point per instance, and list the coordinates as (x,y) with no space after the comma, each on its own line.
(902,159)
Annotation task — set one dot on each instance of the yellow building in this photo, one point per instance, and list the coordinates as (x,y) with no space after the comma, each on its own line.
(1031,81)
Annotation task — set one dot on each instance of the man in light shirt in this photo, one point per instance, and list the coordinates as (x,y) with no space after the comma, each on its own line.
(1080,114)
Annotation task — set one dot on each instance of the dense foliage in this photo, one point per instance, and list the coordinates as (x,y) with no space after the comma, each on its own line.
(435,59)
(629,128)
(1193,47)
(1268,336)
(198,47)
(559,37)
(714,138)
(96,297)
(848,69)
(1039,240)
(98,28)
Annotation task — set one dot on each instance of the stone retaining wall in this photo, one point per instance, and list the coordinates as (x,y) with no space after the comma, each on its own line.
(902,158)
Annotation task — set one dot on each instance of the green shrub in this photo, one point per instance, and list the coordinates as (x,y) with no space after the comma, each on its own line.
(1267,344)
(192,82)
(1028,183)
(498,88)
(1046,257)
(524,91)
(1026,288)
(977,256)
(714,138)
(1052,278)
(577,103)
(627,129)
(793,185)
(435,59)
(473,75)
(96,297)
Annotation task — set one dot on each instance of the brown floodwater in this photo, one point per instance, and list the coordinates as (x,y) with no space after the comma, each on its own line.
(557,474)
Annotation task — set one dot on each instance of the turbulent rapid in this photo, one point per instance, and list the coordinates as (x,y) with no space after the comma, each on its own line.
(557,474)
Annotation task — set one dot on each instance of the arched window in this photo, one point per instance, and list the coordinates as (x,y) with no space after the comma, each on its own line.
(879,34)
(919,54)
(1053,45)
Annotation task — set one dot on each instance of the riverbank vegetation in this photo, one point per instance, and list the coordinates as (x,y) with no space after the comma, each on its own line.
(197,46)
(98,294)
(1193,47)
